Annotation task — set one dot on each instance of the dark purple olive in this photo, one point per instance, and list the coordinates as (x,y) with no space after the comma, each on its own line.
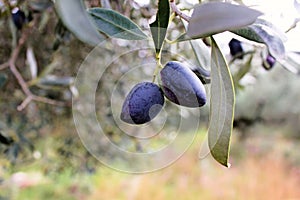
(18,17)
(181,86)
(142,104)
(202,74)
(236,48)
(269,62)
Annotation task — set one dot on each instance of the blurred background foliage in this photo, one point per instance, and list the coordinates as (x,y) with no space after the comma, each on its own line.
(42,156)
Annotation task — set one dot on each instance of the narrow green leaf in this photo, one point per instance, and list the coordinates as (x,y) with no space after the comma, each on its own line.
(248,33)
(294,58)
(215,17)
(222,106)
(202,56)
(263,34)
(273,42)
(183,37)
(279,33)
(73,15)
(115,24)
(159,26)
(291,63)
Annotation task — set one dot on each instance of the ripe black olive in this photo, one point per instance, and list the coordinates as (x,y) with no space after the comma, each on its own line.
(269,62)
(181,86)
(18,17)
(236,48)
(142,104)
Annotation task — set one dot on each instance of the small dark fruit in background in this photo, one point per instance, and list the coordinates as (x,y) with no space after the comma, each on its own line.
(142,104)
(236,48)
(181,86)
(269,62)
(203,75)
(18,17)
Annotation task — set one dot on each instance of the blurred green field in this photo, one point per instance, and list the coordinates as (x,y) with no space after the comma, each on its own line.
(266,165)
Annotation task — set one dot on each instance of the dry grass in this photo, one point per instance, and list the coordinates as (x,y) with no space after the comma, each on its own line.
(257,177)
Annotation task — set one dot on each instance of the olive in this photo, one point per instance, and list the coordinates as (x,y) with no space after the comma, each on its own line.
(181,86)
(18,17)
(142,104)
(202,74)
(236,48)
(269,62)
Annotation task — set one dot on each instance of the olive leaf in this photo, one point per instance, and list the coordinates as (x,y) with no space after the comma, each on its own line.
(248,33)
(202,54)
(262,33)
(115,24)
(291,63)
(222,106)
(183,37)
(294,58)
(73,15)
(278,32)
(159,26)
(273,42)
(215,17)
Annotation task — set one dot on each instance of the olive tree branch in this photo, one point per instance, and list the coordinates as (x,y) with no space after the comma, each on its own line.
(4,66)
(12,66)
(179,12)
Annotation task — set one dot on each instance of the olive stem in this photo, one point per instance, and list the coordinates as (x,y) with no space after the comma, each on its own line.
(179,12)
(158,67)
(240,54)
(170,20)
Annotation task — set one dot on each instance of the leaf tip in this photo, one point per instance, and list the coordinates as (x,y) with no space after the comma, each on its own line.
(228,165)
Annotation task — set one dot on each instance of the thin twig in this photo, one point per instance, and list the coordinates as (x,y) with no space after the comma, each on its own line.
(179,12)
(13,67)
(294,25)
(20,79)
(4,66)
(30,96)
(239,55)
(23,105)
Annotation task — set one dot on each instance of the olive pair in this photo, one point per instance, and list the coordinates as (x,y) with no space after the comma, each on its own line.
(177,83)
